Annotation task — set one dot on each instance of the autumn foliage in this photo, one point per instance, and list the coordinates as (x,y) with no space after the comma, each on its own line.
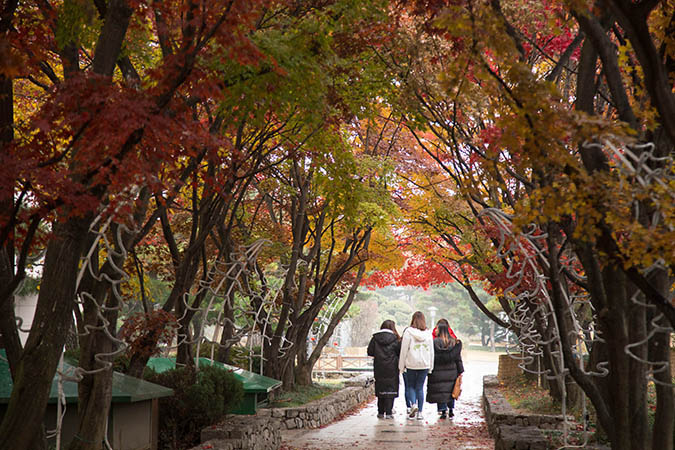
(249,164)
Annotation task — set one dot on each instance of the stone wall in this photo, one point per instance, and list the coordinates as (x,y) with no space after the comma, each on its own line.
(263,431)
(512,430)
(242,432)
(508,368)
(505,426)
(323,411)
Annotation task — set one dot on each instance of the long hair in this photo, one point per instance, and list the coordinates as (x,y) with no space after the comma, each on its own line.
(443,322)
(418,321)
(444,334)
(390,325)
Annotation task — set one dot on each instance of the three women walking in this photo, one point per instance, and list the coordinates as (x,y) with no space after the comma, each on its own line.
(417,355)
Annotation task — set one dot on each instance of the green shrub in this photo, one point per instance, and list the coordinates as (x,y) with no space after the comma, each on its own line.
(205,350)
(239,356)
(120,364)
(200,399)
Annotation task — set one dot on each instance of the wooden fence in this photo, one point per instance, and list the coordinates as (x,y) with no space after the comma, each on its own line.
(340,363)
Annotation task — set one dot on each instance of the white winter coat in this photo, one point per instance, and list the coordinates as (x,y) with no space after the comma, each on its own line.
(417,350)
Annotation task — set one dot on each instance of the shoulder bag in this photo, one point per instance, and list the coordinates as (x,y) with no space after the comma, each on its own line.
(457,390)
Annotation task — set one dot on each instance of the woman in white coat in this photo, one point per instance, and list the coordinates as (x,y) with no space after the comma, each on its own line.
(417,360)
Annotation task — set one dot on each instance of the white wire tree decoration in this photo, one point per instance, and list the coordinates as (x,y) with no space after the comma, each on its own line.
(524,253)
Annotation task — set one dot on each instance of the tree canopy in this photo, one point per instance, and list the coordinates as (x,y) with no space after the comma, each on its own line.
(248,165)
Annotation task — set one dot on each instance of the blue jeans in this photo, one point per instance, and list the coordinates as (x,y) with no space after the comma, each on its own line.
(415,389)
(446,406)
(408,403)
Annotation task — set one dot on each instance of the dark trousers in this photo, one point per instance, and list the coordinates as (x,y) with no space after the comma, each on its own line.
(385,405)
(446,405)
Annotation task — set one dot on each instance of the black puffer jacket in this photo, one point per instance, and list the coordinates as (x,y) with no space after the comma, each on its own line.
(385,347)
(447,367)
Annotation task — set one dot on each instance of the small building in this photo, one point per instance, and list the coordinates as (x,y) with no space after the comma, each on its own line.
(256,387)
(133,421)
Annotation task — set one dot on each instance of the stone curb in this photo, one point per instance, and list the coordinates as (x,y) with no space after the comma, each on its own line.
(323,411)
(263,431)
(241,432)
(514,431)
(510,429)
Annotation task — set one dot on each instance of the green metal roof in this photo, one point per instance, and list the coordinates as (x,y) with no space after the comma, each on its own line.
(252,381)
(125,389)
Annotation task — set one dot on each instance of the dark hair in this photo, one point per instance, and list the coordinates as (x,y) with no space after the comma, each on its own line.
(442,322)
(418,321)
(390,325)
(443,332)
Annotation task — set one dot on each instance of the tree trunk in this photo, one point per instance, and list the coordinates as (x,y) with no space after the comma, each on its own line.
(615,326)
(187,340)
(72,339)
(228,329)
(25,412)
(275,366)
(95,389)
(575,395)
(303,374)
(185,354)
(303,371)
(8,327)
(95,393)
(287,374)
(596,388)
(138,361)
(663,433)
(637,371)
(552,369)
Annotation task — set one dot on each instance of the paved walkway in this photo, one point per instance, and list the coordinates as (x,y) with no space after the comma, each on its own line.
(363,430)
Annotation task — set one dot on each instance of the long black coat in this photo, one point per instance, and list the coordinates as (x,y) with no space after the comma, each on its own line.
(385,347)
(447,367)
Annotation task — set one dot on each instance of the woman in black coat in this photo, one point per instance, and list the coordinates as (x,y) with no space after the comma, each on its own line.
(385,347)
(447,367)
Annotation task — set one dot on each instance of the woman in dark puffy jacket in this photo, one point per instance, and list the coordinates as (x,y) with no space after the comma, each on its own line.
(385,347)
(447,367)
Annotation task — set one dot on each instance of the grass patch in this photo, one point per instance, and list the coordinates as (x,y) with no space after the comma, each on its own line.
(305,394)
(574,437)
(525,396)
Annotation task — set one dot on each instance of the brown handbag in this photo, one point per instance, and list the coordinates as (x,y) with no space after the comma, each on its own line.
(457,390)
